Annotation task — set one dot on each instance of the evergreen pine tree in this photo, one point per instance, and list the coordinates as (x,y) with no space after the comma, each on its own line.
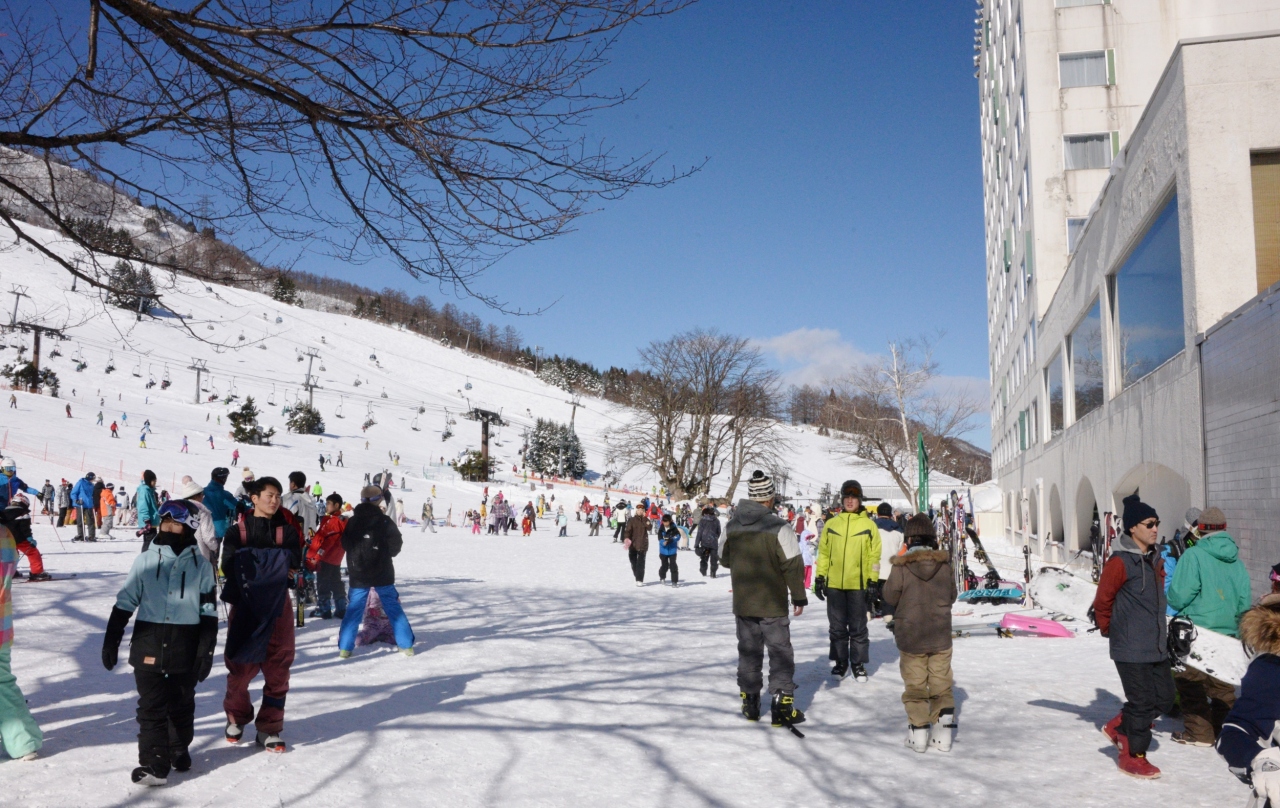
(555,449)
(244,425)
(284,289)
(305,420)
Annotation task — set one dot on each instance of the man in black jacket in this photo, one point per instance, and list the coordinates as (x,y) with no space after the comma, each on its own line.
(261,555)
(371,540)
(708,544)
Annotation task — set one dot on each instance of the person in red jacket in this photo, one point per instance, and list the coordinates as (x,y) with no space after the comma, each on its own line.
(324,558)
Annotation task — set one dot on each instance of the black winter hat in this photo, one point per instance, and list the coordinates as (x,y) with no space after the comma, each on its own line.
(884,509)
(1136,511)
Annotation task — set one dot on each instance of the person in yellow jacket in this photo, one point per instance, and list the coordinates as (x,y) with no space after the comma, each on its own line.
(848,567)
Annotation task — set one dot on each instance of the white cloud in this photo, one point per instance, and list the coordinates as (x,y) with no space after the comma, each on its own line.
(812,355)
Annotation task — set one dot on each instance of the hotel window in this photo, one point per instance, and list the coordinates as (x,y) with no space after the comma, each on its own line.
(1266,216)
(1054,385)
(1147,299)
(1085,69)
(1086,362)
(1086,151)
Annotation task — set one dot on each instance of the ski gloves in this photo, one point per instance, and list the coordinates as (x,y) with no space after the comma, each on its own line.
(204,650)
(115,633)
(820,587)
(1265,770)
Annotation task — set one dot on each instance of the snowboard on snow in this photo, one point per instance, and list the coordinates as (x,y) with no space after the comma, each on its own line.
(27,579)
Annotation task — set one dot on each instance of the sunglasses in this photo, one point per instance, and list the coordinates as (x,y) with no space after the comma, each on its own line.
(1150,523)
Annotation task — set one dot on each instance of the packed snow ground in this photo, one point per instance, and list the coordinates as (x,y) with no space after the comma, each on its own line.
(544,676)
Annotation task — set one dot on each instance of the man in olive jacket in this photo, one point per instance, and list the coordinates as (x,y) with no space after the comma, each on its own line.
(848,567)
(636,538)
(763,556)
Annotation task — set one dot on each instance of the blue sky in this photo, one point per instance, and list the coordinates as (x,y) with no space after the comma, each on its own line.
(839,207)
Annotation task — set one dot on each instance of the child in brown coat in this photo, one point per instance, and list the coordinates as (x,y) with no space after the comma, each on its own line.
(921,589)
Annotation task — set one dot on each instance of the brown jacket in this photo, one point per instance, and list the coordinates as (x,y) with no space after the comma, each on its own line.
(637,530)
(921,589)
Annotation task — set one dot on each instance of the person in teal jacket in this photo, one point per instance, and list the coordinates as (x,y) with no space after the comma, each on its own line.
(148,506)
(1210,588)
(220,502)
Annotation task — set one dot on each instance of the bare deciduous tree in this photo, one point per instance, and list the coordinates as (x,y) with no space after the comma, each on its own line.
(703,402)
(437,134)
(884,404)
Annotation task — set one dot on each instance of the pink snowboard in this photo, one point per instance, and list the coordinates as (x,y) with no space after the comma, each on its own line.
(375,627)
(1035,625)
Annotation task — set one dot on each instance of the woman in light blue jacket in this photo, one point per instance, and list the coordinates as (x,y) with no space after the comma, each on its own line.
(148,506)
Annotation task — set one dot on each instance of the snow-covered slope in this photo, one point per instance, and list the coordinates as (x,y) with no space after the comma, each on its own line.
(255,346)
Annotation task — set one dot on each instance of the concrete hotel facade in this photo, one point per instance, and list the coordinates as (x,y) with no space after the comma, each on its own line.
(1119,139)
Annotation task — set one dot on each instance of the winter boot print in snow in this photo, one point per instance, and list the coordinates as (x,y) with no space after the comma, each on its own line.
(751,706)
(784,710)
(942,733)
(917,738)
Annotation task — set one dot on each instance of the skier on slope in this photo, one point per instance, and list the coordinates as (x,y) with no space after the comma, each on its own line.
(1129,609)
(171,587)
(1250,739)
(848,568)
(763,557)
(921,587)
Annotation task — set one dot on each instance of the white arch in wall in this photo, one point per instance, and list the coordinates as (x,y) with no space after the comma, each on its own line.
(1085,503)
(1160,487)
(1055,515)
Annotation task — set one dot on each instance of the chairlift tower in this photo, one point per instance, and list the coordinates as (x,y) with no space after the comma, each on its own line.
(18,293)
(486,418)
(199,366)
(311,383)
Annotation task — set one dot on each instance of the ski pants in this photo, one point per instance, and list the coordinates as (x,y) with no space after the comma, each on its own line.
(708,558)
(847,622)
(1148,693)
(33,556)
(62,517)
(668,562)
(390,605)
(18,730)
(275,674)
(637,564)
(928,682)
(428,524)
(148,536)
(166,717)
(1205,703)
(754,635)
(108,522)
(85,520)
(617,531)
(330,588)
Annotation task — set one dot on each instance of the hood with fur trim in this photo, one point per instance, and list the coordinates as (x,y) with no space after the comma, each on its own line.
(1260,629)
(924,564)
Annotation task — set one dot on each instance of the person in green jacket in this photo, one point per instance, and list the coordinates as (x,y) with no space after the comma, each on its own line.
(848,566)
(1210,588)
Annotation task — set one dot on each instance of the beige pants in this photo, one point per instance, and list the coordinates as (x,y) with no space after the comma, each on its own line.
(928,692)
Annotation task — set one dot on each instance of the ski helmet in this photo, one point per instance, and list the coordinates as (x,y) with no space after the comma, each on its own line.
(851,488)
(179,511)
(8,467)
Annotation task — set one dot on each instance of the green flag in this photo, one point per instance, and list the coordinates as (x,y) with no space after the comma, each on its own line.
(922,475)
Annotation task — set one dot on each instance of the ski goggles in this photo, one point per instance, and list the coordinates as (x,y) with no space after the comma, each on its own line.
(179,511)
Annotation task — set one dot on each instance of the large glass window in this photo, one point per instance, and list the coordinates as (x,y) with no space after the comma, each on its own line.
(1086,151)
(1086,362)
(1148,299)
(1086,69)
(1053,381)
(1075,227)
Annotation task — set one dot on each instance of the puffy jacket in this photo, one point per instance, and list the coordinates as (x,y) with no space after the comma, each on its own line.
(668,540)
(763,556)
(13,485)
(326,545)
(82,494)
(1129,606)
(1210,585)
(147,504)
(849,551)
(107,502)
(637,530)
(262,535)
(171,588)
(708,532)
(64,496)
(371,539)
(890,543)
(301,505)
(221,505)
(921,589)
(1251,725)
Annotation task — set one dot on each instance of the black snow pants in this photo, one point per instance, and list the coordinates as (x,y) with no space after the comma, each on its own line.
(166,717)
(330,589)
(1148,693)
(668,562)
(709,558)
(847,623)
(637,564)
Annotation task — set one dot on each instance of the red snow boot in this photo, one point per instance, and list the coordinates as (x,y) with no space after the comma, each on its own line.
(1112,729)
(1138,766)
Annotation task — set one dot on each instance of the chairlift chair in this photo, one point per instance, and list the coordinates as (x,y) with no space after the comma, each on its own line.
(357,382)
(338,412)
(271,399)
(111,361)
(414,424)
(137,369)
(384,392)
(279,319)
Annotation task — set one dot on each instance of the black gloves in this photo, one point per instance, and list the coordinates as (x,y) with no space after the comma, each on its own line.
(875,596)
(115,633)
(204,650)
(820,587)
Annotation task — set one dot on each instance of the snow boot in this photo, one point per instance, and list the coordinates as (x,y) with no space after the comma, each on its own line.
(1112,729)
(234,733)
(407,651)
(36,577)
(839,669)
(917,738)
(784,712)
(182,761)
(147,776)
(859,672)
(943,732)
(344,655)
(1185,738)
(751,706)
(271,743)
(30,756)
(1137,766)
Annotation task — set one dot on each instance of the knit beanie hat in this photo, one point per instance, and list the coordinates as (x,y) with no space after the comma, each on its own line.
(760,487)
(884,509)
(1136,511)
(919,525)
(1213,517)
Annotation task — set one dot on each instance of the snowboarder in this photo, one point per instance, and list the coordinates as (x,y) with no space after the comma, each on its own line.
(707,546)
(99,418)
(13,401)
(922,588)
(322,461)
(763,557)
(324,558)
(562,520)
(147,503)
(184,445)
(142,440)
(82,501)
(635,537)
(172,589)
(211,446)
(371,540)
(848,565)
(668,548)
(1249,735)
(18,730)
(261,555)
(1210,587)
(1130,612)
